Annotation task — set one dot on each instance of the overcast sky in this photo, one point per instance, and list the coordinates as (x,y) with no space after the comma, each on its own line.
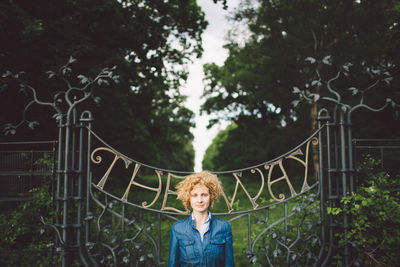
(213,40)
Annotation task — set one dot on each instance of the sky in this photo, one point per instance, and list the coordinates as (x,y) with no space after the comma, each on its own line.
(213,40)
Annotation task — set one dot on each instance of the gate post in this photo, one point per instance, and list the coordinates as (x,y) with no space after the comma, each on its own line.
(323,119)
(345,170)
(65,185)
(69,193)
(336,178)
(71,178)
(86,120)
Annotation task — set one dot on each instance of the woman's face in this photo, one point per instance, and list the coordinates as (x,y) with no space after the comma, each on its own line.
(200,198)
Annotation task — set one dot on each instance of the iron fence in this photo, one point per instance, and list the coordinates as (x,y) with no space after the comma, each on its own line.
(21,168)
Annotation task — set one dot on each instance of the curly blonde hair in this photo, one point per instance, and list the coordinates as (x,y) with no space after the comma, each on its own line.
(209,180)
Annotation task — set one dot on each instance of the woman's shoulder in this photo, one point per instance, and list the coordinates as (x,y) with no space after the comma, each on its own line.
(180,223)
(221,222)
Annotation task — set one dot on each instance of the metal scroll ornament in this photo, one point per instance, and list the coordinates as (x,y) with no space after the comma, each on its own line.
(265,179)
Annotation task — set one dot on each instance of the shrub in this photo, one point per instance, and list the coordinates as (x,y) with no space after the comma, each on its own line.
(374,210)
(23,241)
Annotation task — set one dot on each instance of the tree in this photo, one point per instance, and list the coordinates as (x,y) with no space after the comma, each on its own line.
(258,77)
(150,42)
(245,144)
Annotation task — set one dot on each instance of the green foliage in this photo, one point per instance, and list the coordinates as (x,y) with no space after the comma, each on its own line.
(258,76)
(149,41)
(23,239)
(256,82)
(375,219)
(211,159)
(247,143)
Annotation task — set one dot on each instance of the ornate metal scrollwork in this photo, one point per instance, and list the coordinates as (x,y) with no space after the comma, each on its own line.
(262,175)
(238,178)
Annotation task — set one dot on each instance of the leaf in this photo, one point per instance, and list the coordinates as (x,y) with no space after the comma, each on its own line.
(253,259)
(273,234)
(71,60)
(138,245)
(315,241)
(327,60)
(295,103)
(296,90)
(21,88)
(311,60)
(314,210)
(6,74)
(376,71)
(9,129)
(66,70)
(294,256)
(116,79)
(311,197)
(276,252)
(353,90)
(388,80)
(316,97)
(97,100)
(316,82)
(346,66)
(51,74)
(125,259)
(56,96)
(83,79)
(32,124)
(11,132)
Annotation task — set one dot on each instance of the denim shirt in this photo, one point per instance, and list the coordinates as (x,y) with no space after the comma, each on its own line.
(205,226)
(187,249)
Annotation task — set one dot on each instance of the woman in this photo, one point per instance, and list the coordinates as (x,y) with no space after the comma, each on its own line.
(200,239)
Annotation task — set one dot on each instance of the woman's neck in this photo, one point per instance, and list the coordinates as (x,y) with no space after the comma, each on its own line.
(200,217)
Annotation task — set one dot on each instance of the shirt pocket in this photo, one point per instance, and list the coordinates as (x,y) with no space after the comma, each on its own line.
(217,247)
(186,249)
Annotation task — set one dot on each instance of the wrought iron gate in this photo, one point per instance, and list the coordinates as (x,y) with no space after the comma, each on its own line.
(283,223)
(112,210)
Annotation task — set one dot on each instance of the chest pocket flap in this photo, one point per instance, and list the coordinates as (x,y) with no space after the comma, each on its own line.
(184,243)
(218,241)
(186,250)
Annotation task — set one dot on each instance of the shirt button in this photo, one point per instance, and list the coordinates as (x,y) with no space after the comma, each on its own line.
(206,236)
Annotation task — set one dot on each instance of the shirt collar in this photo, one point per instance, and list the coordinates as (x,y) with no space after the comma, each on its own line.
(208,220)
